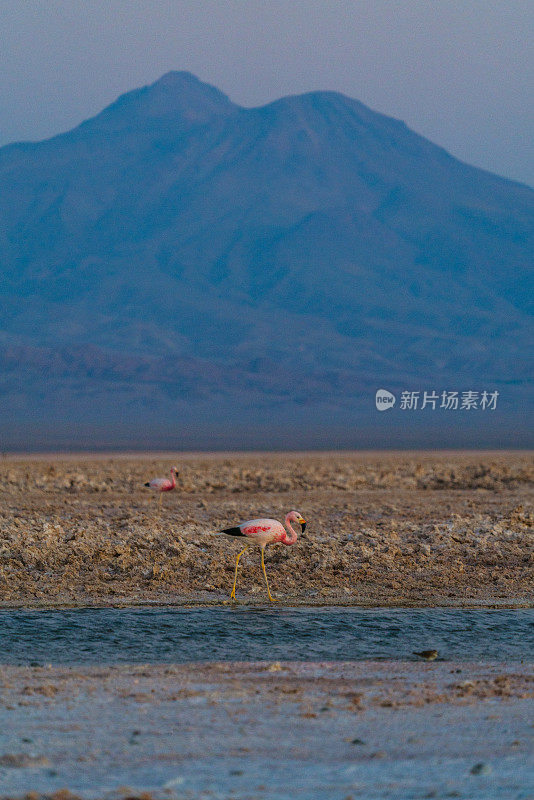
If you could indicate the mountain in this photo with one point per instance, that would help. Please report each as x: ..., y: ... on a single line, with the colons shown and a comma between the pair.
x: 181, y: 270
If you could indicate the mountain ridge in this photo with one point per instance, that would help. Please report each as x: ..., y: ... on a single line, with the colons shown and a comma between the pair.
x: 309, y: 233
x: 174, y: 80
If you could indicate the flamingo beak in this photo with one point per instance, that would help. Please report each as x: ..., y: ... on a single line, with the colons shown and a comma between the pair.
x: 302, y: 522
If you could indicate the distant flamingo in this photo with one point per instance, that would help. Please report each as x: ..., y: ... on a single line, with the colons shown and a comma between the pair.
x: 262, y: 532
x: 163, y: 484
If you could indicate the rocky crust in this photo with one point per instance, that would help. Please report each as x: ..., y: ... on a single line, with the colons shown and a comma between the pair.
x: 383, y: 528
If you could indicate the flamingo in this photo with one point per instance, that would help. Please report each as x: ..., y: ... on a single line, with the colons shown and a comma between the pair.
x: 163, y: 484
x: 262, y: 532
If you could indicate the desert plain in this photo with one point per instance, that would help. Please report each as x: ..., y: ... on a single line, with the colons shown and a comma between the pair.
x: 383, y: 528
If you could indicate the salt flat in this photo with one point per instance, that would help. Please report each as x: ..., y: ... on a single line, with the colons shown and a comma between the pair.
x: 268, y: 730
x: 384, y: 529
x: 450, y: 528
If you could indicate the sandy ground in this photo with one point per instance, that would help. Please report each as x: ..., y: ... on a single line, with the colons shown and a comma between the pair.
x: 268, y: 730
x: 397, y: 528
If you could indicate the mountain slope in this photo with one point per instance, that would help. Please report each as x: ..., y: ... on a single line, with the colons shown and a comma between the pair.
x: 178, y: 254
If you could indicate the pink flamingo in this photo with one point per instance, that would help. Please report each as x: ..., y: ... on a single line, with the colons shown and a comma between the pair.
x: 262, y: 532
x: 163, y: 484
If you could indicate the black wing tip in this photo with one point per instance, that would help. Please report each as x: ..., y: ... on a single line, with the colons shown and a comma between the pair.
x: 233, y: 531
x: 147, y: 484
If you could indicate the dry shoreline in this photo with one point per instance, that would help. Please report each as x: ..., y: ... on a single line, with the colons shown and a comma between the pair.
x: 334, y: 601
x: 425, y: 529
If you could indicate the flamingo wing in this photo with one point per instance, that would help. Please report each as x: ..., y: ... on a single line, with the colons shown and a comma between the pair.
x: 262, y: 530
x: 254, y: 526
x: 159, y: 484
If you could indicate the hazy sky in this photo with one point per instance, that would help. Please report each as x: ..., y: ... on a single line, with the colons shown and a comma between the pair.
x: 458, y: 71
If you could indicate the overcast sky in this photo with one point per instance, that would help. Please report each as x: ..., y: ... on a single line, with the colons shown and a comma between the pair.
x: 458, y: 71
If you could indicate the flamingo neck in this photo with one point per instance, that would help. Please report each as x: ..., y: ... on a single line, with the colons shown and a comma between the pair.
x: 173, y: 475
x: 292, y: 538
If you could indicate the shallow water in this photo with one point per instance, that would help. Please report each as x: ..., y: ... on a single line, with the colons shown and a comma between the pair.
x: 170, y: 634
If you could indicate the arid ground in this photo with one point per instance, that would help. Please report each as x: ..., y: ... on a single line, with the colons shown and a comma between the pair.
x: 383, y: 528
x: 398, y: 528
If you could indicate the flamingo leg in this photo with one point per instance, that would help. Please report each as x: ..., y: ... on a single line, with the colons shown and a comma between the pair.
x: 271, y: 598
x: 160, y: 499
x: 236, y: 566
